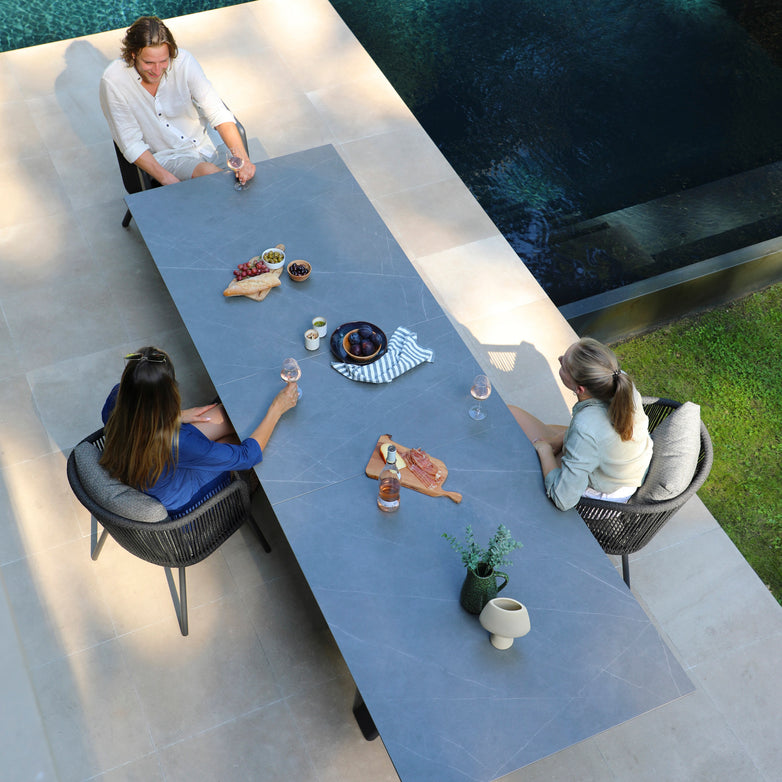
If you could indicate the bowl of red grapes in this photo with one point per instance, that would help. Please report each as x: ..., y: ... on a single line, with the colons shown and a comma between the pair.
x: 298, y: 271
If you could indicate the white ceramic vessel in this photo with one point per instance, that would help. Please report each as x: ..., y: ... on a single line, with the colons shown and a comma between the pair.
x: 321, y: 329
x: 506, y: 619
x: 311, y: 339
x: 272, y: 264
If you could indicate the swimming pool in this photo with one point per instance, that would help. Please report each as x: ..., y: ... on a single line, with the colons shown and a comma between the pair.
x: 557, y: 114
x: 608, y: 140
x: 31, y: 22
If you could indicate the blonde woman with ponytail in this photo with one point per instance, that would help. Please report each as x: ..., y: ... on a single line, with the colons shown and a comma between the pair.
x: 605, y: 450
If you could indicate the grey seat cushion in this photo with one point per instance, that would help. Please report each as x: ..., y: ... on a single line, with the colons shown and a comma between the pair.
x: 677, y: 443
x: 111, y: 494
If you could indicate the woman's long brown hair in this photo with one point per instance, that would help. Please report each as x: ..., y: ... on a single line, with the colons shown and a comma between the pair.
x: 142, y: 432
x: 592, y: 365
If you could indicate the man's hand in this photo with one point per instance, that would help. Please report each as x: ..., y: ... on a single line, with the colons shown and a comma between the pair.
x: 147, y: 162
x: 232, y: 139
x: 246, y: 172
x: 166, y: 178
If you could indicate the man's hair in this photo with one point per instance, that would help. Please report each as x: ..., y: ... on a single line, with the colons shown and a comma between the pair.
x: 147, y: 31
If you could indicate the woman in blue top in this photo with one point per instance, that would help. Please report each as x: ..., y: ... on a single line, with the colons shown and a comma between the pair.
x: 605, y: 450
x: 178, y: 456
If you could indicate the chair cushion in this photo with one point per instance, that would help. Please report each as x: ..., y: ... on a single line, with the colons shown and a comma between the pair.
x: 677, y: 444
x: 111, y: 494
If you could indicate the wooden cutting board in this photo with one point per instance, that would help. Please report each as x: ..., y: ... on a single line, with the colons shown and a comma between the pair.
x: 262, y: 294
x: 407, y: 478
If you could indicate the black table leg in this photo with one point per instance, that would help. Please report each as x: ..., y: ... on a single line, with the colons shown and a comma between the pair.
x: 363, y: 718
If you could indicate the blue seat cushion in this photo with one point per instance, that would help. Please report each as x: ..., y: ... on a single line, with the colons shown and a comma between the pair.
x: 111, y: 494
x: 677, y: 444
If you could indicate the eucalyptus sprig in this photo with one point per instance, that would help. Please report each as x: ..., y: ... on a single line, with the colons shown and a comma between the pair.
x: 493, y: 557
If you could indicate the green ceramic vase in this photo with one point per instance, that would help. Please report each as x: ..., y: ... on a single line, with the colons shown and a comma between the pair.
x: 480, y: 586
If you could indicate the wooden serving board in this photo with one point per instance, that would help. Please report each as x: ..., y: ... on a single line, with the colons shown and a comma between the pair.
x: 277, y: 272
x: 407, y: 478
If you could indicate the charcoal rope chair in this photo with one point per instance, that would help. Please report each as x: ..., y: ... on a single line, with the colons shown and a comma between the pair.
x: 624, y: 528
x: 141, y: 525
x: 136, y: 179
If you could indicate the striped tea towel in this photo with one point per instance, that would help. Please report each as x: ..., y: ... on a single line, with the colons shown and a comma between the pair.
x: 403, y: 353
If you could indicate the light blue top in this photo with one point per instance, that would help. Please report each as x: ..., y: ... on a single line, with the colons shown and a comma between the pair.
x: 595, y: 456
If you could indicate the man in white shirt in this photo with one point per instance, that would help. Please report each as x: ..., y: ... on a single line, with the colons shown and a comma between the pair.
x: 157, y: 102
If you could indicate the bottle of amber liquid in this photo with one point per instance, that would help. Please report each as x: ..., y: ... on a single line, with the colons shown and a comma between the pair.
x: 388, y: 491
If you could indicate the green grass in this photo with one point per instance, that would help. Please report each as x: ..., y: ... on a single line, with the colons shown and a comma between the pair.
x: 728, y: 361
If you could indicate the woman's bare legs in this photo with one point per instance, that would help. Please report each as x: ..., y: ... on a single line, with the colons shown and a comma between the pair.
x: 535, y: 429
x: 213, y: 422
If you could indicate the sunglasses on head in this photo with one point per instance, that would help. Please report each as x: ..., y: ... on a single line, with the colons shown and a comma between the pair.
x: 153, y: 358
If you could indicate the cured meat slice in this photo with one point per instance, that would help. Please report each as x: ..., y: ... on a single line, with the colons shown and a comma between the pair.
x: 419, y: 463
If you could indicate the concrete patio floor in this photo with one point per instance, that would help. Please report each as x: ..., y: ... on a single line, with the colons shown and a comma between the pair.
x: 97, y: 682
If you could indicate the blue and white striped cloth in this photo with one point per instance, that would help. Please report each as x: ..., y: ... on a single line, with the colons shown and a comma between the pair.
x: 403, y: 353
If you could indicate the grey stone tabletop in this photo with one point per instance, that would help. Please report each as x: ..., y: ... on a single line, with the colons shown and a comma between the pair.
x: 447, y: 704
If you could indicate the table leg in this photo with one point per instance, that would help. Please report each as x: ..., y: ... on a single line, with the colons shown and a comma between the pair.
x: 363, y: 718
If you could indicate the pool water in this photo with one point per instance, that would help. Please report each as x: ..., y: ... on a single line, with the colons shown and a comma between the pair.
x: 566, y: 120
x: 31, y: 22
x: 555, y: 113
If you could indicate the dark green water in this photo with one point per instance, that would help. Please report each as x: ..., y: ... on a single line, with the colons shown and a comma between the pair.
x: 553, y: 111
x: 31, y: 22
x: 556, y: 111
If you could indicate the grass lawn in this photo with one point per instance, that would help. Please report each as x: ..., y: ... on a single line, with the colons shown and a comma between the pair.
x: 729, y: 361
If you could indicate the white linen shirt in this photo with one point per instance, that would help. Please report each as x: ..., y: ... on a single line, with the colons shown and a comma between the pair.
x: 168, y: 123
x: 595, y: 456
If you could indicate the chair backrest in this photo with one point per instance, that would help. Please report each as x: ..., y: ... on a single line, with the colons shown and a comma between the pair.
x: 170, y: 542
x: 133, y: 178
x: 675, y: 429
x: 624, y: 528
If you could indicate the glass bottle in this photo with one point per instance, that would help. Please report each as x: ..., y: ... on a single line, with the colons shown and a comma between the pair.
x: 388, y: 490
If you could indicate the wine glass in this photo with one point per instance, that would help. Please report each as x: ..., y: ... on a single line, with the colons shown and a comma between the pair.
x: 235, y: 161
x: 481, y: 388
x: 291, y: 372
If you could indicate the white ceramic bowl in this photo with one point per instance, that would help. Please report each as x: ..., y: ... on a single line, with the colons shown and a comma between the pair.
x: 273, y: 264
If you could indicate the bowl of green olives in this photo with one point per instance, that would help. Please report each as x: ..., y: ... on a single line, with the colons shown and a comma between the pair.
x: 274, y: 257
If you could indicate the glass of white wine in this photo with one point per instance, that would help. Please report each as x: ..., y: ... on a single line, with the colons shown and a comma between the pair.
x: 235, y: 161
x: 481, y: 388
x: 291, y: 372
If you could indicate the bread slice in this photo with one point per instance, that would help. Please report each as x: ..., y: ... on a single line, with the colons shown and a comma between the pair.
x: 254, y: 287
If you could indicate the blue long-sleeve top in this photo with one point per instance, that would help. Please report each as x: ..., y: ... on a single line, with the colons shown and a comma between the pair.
x: 201, y: 464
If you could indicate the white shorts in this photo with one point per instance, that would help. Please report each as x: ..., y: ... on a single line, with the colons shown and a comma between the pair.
x: 622, y: 494
x: 182, y: 164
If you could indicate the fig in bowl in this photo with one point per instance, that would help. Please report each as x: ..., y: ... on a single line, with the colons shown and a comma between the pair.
x: 361, y: 350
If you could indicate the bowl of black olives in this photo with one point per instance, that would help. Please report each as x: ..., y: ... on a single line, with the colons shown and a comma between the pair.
x: 298, y: 271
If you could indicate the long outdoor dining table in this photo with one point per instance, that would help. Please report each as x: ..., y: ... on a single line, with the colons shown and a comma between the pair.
x: 447, y: 704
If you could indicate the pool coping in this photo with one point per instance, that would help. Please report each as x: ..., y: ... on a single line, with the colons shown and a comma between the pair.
x: 648, y: 304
